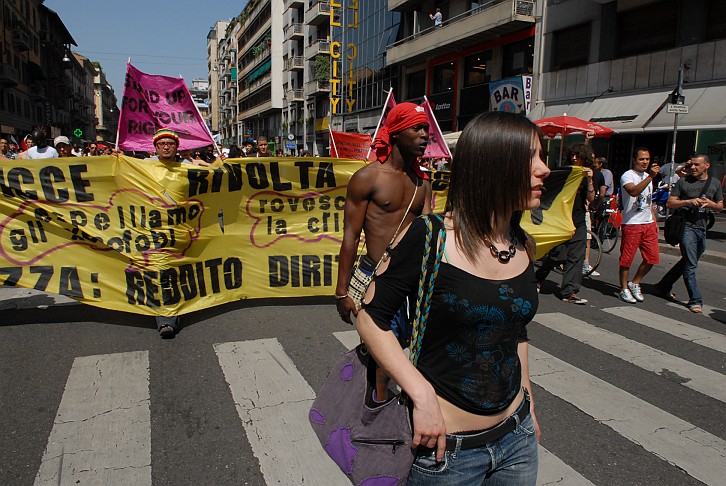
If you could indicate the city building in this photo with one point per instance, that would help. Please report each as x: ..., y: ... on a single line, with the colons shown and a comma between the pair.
x: 106, y: 107
x: 200, y: 94
x: 617, y: 63
x: 42, y: 83
x: 216, y: 34
x: 261, y: 89
x: 227, y: 68
x: 81, y: 102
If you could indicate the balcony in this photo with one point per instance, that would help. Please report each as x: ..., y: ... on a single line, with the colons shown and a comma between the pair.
x: 318, y: 13
x: 317, y: 87
x: 296, y: 63
x: 473, y: 27
x: 295, y: 31
x: 21, y: 39
x: 318, y: 47
x: 294, y: 4
x: 8, y: 76
x: 295, y: 95
x: 403, y: 5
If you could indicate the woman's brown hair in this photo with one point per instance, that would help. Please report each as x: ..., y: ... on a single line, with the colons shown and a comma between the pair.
x: 491, y: 175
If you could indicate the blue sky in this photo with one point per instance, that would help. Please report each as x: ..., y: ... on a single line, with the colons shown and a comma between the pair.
x: 161, y: 36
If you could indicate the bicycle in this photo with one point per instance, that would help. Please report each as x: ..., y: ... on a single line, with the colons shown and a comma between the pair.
x: 608, y: 223
x: 596, y: 251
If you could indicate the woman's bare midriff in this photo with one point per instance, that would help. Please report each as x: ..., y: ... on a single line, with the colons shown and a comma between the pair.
x: 458, y: 420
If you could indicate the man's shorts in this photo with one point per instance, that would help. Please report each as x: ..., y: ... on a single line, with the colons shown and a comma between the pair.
x: 639, y: 236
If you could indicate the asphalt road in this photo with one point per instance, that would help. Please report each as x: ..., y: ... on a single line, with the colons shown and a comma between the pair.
x: 625, y: 394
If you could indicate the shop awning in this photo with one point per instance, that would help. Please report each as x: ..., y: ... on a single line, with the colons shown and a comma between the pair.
x: 647, y: 111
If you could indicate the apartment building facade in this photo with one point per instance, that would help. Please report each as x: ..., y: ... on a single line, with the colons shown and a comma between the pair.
x: 617, y: 63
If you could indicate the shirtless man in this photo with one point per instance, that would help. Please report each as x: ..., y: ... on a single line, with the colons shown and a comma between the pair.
x: 379, y: 194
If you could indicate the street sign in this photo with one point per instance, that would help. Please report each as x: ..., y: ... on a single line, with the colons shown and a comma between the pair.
x: 680, y: 109
x: 290, y: 145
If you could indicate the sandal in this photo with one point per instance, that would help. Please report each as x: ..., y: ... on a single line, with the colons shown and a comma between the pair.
x: 696, y: 308
x: 166, y: 332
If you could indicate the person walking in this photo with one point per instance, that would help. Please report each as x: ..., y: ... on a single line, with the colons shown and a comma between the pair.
x: 166, y: 143
x: 639, y: 227
x: 572, y: 252
x: 698, y: 193
x: 472, y: 403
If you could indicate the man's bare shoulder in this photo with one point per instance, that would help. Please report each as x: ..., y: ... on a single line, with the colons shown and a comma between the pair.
x: 365, y: 178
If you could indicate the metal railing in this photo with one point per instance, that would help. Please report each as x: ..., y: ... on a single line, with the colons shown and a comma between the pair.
x: 519, y: 7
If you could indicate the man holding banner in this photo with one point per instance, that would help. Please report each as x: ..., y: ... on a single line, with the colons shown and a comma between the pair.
x: 166, y: 143
x: 384, y: 196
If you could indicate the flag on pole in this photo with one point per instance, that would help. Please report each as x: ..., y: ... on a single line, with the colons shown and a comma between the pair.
x: 388, y: 106
x: 437, y: 146
x: 151, y: 102
x: 345, y: 145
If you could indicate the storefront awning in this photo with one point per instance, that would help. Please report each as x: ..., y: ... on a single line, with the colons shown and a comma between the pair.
x: 647, y: 111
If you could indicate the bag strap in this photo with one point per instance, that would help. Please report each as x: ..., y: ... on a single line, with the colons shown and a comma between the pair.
x: 385, y: 254
x: 426, y: 285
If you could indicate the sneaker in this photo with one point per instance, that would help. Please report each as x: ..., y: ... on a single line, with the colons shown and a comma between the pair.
x: 574, y: 299
x: 626, y: 296
x: 587, y: 271
x: 635, y: 290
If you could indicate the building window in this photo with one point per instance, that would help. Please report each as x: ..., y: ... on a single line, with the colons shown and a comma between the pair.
x: 716, y: 27
x: 518, y: 58
x: 444, y: 77
x: 648, y: 29
x: 477, y: 69
x: 416, y: 85
x: 570, y: 47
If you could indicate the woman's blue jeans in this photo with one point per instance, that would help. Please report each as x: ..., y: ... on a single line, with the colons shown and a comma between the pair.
x: 508, y: 461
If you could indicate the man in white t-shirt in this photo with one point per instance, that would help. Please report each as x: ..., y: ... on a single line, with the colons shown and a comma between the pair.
x: 639, y: 227
x: 40, y: 148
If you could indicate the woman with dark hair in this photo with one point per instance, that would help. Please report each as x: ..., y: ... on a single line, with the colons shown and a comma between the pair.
x: 473, y: 413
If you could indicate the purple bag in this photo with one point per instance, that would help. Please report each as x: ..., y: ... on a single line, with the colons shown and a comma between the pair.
x: 371, y: 445
x: 371, y: 441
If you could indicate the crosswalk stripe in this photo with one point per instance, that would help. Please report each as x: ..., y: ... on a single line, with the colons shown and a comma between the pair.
x: 273, y: 400
x: 708, y: 382
x: 552, y: 470
x: 670, y: 326
x: 707, y: 309
x: 690, y: 448
x: 102, y: 431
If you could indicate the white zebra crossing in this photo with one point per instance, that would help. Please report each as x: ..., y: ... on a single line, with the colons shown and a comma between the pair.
x: 670, y: 326
x: 708, y: 382
x: 708, y: 310
x: 690, y: 448
x: 273, y: 400
x: 102, y: 432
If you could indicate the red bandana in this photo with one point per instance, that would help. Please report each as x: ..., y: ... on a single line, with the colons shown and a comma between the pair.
x: 402, y: 116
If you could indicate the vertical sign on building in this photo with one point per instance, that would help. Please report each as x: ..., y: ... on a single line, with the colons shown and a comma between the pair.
x: 342, y: 79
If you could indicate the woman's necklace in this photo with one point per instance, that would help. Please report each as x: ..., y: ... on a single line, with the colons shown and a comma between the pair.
x: 504, y: 255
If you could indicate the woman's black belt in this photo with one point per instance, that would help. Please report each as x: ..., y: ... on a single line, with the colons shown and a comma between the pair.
x: 479, y: 439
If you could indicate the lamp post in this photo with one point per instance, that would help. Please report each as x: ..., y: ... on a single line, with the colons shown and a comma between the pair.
x: 677, y: 98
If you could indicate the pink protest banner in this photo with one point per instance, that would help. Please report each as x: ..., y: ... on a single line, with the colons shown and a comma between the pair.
x: 346, y: 145
x: 437, y: 146
x: 151, y: 102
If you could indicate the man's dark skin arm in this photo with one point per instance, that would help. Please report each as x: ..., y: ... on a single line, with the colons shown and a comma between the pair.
x: 356, y: 205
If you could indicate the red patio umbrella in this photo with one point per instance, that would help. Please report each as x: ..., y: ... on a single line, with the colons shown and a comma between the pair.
x: 564, y: 125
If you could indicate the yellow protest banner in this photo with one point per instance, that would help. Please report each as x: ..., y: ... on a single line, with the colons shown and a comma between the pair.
x: 166, y: 239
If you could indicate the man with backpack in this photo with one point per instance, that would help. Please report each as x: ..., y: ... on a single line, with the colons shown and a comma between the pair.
x: 696, y: 193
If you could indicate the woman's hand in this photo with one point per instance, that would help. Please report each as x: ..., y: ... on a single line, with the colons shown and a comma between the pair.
x: 537, y: 431
x: 429, y: 429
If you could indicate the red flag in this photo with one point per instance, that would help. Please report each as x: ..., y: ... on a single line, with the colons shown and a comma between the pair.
x: 437, y: 146
x: 345, y: 145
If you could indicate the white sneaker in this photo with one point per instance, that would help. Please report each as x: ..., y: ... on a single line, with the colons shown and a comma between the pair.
x: 588, y: 271
x: 635, y: 290
x: 626, y: 296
